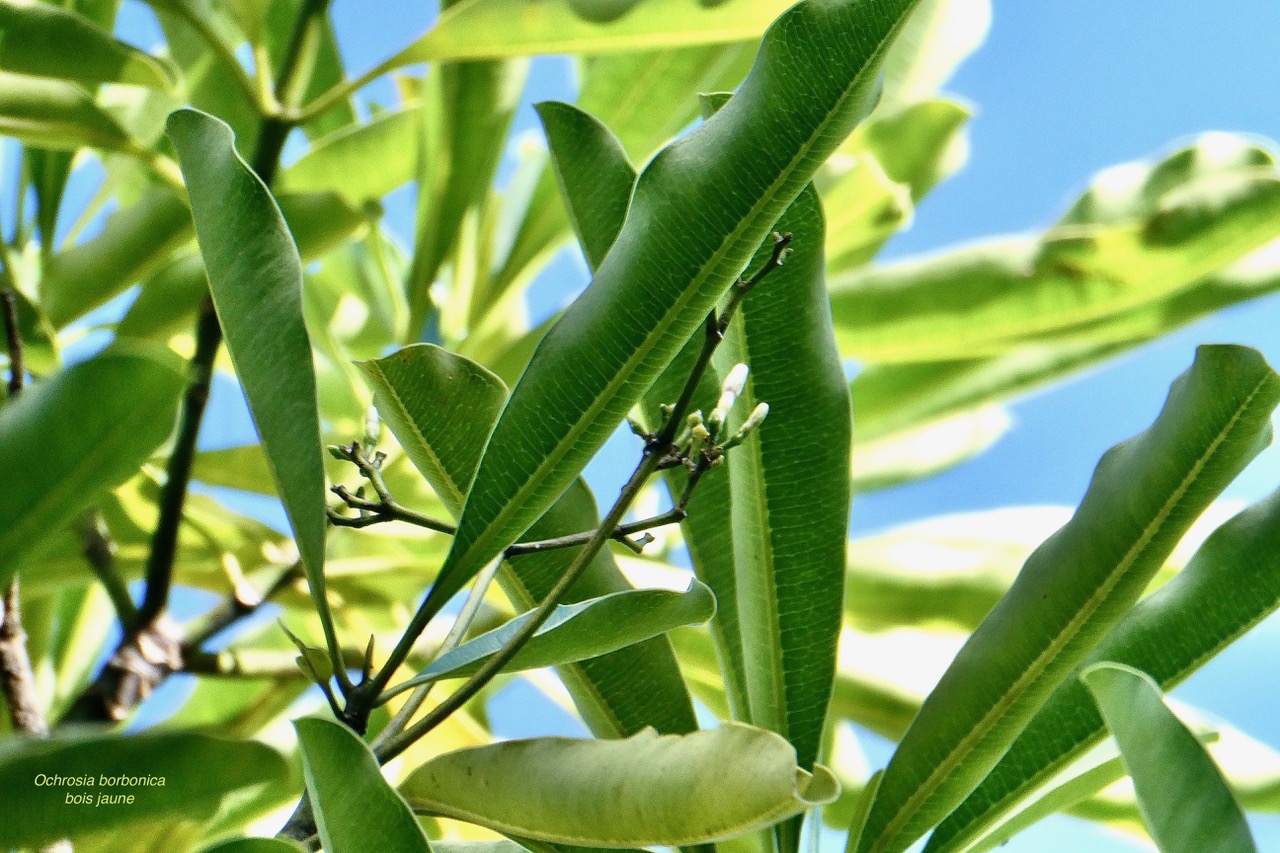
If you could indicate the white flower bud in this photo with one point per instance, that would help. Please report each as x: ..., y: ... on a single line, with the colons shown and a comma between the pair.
x: 372, y: 427
x: 729, y: 391
x: 757, y: 416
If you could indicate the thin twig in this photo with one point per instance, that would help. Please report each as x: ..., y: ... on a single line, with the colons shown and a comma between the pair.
x: 656, y: 453
x: 100, y: 553
x: 466, y: 617
x: 386, y: 508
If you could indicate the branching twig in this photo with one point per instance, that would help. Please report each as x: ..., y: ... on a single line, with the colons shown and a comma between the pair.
x: 661, y: 451
x: 173, y: 495
x: 386, y: 508
x: 656, y: 453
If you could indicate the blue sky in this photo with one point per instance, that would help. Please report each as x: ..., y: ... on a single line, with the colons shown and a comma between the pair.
x: 1062, y: 89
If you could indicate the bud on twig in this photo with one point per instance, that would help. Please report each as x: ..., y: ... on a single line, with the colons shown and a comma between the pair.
x: 729, y: 391
x: 752, y: 423
x: 372, y: 428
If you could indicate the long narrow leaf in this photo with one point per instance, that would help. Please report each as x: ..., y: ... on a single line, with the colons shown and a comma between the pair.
x: 47, y: 41
x: 1140, y: 237
x: 645, y: 98
x: 1075, y: 588
x: 700, y: 211
x: 483, y: 29
x: 361, y: 162
x: 789, y: 513
x: 585, y: 629
x: 1169, y: 635
x: 255, y: 277
x: 55, y: 114
x: 595, y: 176
x: 1185, y: 802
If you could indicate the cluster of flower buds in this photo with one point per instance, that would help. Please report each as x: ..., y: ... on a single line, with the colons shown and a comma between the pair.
x: 706, y: 435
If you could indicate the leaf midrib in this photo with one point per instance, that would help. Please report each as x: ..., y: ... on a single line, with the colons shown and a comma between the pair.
x: 944, y: 768
x: 569, y: 440
x: 977, y: 829
x: 455, y: 492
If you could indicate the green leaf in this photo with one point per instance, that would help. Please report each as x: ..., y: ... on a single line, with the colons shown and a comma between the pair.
x: 252, y: 845
x: 1057, y: 799
x: 361, y: 162
x: 167, y: 300
x: 788, y: 514
x: 927, y: 449
x: 586, y: 629
x: 57, y: 115
x: 676, y: 788
x: 867, y: 208
x: 1169, y: 634
x: 919, y: 145
x: 684, y: 242
x: 320, y: 221
x: 64, y: 453
x: 469, y: 107
x: 646, y: 98
x: 893, y: 398
x: 949, y: 570
x: 500, y: 845
x: 313, y: 662
x: 619, y: 693
x: 486, y: 29
x: 135, y: 240
x: 1075, y: 588
x: 440, y: 406
x: 47, y: 172
x: 255, y: 277
x: 39, y: 342
x: 1143, y: 235
x: 169, y: 296
x: 180, y: 774
x: 1185, y: 802
x: 939, y: 36
x: 43, y: 40
x: 356, y: 810
x: 594, y: 174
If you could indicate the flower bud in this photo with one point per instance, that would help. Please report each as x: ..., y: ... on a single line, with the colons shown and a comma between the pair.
x: 757, y: 416
x: 729, y: 391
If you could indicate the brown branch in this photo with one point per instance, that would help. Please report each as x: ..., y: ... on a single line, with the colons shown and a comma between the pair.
x: 17, y: 681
